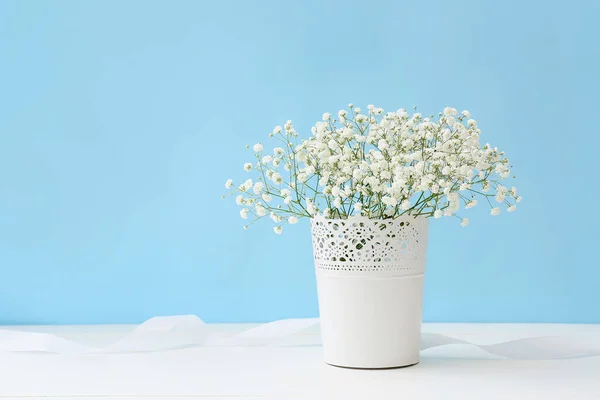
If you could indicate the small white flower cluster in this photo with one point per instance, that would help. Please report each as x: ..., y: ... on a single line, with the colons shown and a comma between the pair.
x: 379, y: 165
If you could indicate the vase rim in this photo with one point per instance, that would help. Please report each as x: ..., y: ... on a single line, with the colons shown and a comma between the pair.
x: 356, y: 218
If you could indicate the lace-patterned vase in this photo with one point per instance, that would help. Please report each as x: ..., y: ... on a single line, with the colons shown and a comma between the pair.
x: 370, y: 287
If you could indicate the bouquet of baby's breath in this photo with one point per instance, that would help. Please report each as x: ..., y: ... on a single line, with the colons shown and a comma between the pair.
x: 376, y: 165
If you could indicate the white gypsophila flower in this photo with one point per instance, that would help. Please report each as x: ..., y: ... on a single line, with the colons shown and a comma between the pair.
x: 326, y: 116
x: 495, y: 211
x: 244, y: 213
x: 258, y: 187
x: 464, y: 222
x: 500, y: 197
x: 229, y: 183
x: 518, y: 199
x: 466, y: 114
x: 257, y: 147
x: 266, y: 197
x: 278, y: 229
x: 292, y: 220
x: 277, y: 129
x: 267, y: 159
x: 342, y: 113
x: 390, y: 201
x: 260, y: 210
x: 277, y: 178
x: 347, y: 133
x: 358, y: 206
x: 405, y: 205
x: 450, y: 112
x: 511, y: 208
x: 248, y: 167
x: 385, y: 175
x: 239, y: 200
x: 337, y: 202
x: 246, y: 185
x: 287, y: 200
x: 437, y: 214
x: 310, y: 207
x: 279, y: 151
x: 285, y: 192
x: 471, y: 204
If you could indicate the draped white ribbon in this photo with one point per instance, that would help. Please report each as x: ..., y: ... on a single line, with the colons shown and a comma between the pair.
x: 167, y: 333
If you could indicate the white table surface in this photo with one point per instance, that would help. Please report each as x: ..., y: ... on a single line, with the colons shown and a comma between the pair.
x: 298, y: 372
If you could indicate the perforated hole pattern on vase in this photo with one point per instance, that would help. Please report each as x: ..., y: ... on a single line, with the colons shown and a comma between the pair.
x: 363, y: 246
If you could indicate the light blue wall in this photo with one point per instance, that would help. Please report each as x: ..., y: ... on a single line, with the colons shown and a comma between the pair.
x: 120, y: 121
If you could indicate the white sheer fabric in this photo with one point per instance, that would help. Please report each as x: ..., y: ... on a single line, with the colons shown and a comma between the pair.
x: 176, y: 332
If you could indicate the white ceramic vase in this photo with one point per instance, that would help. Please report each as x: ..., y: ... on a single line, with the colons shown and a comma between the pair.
x: 370, y: 287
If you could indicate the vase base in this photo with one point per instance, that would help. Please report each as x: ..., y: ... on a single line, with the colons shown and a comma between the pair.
x: 371, y: 368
